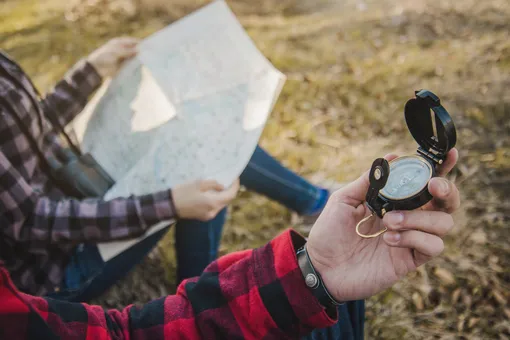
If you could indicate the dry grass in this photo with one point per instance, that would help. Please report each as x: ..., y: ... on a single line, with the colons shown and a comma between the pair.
x: 351, y: 66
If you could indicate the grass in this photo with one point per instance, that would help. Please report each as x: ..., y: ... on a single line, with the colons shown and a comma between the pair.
x: 350, y: 71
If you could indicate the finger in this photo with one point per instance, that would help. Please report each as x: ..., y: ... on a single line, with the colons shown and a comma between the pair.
x: 355, y: 192
x: 209, y: 215
x: 451, y: 159
x: 127, y: 56
x: 228, y: 195
x: 389, y: 157
x: 126, y: 51
x: 425, y: 246
x: 432, y: 222
x: 446, y: 196
x: 237, y: 183
x: 210, y: 184
x: 128, y: 41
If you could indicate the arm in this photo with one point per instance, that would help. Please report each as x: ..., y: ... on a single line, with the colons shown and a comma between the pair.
x: 253, y: 294
x: 37, y: 218
x: 260, y: 293
x: 70, y: 95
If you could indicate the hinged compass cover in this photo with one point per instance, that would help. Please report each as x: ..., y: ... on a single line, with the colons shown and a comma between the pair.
x: 430, y: 124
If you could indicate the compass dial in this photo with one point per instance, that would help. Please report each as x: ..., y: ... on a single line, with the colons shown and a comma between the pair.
x: 408, y: 176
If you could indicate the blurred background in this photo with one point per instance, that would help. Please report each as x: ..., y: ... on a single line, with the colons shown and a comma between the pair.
x: 351, y: 66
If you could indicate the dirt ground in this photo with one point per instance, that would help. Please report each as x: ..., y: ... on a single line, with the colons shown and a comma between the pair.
x: 351, y: 66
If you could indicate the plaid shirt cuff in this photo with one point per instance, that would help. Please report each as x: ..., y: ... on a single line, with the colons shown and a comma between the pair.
x: 157, y: 207
x: 71, y: 94
x: 301, y: 300
x: 263, y: 290
x: 85, y: 78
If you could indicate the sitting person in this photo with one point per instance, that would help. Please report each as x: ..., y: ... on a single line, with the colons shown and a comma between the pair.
x: 263, y: 293
x: 48, y: 241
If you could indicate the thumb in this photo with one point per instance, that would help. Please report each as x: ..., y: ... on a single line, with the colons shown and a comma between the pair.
x: 126, y: 52
x: 355, y: 193
x: 128, y: 41
x: 229, y: 194
x: 210, y: 184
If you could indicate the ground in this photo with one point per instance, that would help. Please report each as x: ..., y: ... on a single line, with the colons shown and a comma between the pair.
x: 351, y: 66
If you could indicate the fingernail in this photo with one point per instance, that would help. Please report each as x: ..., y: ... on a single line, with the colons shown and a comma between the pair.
x: 394, y: 218
x: 444, y: 187
x: 392, y: 237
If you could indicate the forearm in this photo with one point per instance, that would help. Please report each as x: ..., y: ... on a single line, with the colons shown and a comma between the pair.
x: 95, y: 220
x: 252, y: 294
x: 70, y: 95
x: 34, y: 217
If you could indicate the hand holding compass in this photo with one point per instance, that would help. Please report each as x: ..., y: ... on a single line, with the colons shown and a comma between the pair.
x: 402, y: 183
x: 354, y: 268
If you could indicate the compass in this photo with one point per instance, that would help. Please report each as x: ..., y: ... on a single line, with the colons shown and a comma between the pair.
x: 402, y: 184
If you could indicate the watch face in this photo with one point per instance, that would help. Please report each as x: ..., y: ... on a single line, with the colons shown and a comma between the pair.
x: 408, y: 176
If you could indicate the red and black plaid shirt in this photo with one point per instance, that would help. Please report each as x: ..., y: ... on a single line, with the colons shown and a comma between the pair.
x: 254, y: 294
x: 39, y: 226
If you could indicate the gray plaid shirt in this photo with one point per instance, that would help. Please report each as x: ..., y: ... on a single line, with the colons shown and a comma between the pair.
x: 39, y: 226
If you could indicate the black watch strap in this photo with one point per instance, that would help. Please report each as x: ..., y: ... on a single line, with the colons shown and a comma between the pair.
x: 313, y: 280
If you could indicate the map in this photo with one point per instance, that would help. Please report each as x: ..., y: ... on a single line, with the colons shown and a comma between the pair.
x: 192, y: 105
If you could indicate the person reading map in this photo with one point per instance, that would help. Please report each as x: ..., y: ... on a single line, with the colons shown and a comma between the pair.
x: 49, y: 242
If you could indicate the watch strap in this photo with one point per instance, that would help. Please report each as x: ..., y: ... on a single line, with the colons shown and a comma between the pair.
x: 313, y: 280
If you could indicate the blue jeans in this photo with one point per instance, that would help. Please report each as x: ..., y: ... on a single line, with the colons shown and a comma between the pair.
x: 196, y: 242
x: 350, y: 325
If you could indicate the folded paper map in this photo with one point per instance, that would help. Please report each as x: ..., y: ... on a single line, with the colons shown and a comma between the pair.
x: 191, y: 105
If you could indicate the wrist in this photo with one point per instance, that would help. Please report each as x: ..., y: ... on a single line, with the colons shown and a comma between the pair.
x: 314, y: 280
x: 171, y: 201
x: 96, y: 65
x: 322, y: 269
x: 93, y: 68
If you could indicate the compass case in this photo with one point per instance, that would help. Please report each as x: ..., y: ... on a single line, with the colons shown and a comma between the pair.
x: 430, y: 125
x: 433, y: 129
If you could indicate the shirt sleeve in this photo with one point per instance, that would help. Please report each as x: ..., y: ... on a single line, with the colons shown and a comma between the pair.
x: 70, y: 95
x: 254, y: 294
x: 36, y: 218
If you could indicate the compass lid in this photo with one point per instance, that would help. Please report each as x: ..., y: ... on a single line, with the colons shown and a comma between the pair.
x: 430, y: 124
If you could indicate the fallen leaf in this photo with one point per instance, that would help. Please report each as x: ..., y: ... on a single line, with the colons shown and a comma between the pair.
x: 489, y: 157
x: 425, y: 288
x: 496, y: 267
x: 460, y: 323
x: 488, y: 310
x: 467, y: 300
x: 456, y: 295
x: 472, y: 322
x: 444, y: 276
x: 499, y: 297
x: 464, y: 264
x: 478, y: 237
x: 418, y: 301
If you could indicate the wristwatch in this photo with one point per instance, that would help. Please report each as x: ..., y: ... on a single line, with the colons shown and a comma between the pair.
x: 313, y: 280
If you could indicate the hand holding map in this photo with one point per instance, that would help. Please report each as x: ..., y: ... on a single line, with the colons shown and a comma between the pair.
x: 192, y: 105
